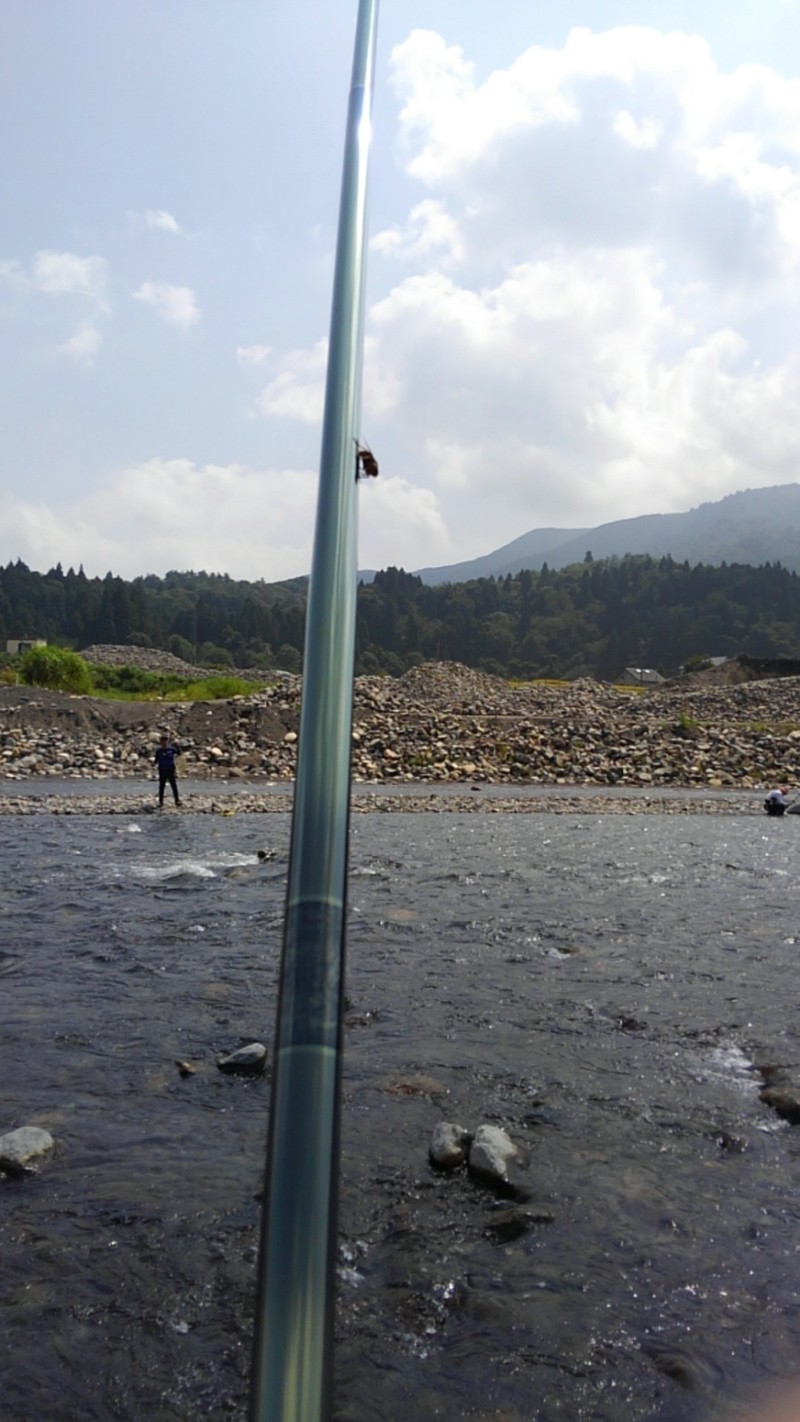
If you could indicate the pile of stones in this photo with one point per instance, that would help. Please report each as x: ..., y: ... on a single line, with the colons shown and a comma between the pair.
x: 438, y: 723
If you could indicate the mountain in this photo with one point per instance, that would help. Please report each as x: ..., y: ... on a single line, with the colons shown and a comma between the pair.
x: 755, y: 526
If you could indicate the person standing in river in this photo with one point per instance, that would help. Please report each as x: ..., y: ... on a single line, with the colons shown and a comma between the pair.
x: 165, y: 761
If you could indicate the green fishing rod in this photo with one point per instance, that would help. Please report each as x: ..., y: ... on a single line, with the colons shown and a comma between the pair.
x: 293, y: 1344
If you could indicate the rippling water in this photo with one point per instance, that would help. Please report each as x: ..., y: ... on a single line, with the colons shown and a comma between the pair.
x: 599, y: 986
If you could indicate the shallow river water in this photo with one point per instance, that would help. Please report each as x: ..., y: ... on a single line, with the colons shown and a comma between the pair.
x: 601, y: 986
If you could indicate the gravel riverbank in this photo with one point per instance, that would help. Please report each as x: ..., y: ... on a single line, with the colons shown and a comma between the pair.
x: 439, y: 725
x: 248, y: 803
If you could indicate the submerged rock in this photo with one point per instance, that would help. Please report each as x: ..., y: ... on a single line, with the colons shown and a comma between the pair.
x: 418, y: 1085
x: 247, y: 1061
x: 511, y: 1224
x: 449, y: 1145
x: 20, y: 1150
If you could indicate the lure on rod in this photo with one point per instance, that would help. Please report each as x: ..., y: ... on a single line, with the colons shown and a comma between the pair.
x: 293, y: 1343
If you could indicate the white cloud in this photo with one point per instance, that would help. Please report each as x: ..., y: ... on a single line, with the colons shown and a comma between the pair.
x: 642, y: 133
x: 572, y: 393
x: 162, y: 222
x: 60, y: 274
x: 174, y: 514
x: 429, y: 235
x: 175, y: 304
x: 157, y: 220
x: 298, y: 391
x: 609, y: 327
x: 252, y: 355
x: 595, y: 316
x: 599, y: 312
x: 459, y: 121
x: 401, y: 525
x: 629, y: 135
x: 84, y: 343
x: 66, y: 274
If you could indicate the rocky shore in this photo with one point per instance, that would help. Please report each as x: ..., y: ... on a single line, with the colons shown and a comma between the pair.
x: 439, y: 725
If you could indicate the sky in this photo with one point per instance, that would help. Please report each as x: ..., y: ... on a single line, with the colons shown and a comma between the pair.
x: 583, y: 292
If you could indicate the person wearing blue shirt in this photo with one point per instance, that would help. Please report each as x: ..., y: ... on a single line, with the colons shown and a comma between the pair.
x: 165, y: 760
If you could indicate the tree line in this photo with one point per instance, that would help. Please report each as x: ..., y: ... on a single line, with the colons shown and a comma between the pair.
x: 592, y: 619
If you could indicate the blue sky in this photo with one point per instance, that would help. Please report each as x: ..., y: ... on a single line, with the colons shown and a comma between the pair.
x: 583, y: 286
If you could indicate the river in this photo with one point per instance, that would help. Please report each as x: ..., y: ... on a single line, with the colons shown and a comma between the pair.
x: 602, y: 986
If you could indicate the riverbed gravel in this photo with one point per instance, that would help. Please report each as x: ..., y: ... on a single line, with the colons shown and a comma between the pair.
x: 440, y: 724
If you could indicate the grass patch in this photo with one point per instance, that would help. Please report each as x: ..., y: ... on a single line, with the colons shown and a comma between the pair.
x: 537, y: 681
x: 135, y: 684
x: 686, y: 727
x: 132, y: 683
x: 214, y: 688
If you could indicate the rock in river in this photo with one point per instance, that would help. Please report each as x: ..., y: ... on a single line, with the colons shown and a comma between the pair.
x: 20, y: 1150
x: 491, y: 1153
x: 782, y: 1091
x: 507, y: 1225
x: 247, y: 1061
x: 449, y: 1145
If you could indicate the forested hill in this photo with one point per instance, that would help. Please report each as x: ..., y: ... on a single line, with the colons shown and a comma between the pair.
x: 591, y: 619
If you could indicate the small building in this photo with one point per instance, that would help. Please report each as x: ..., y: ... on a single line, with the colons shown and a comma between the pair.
x: 15, y: 646
x: 641, y: 676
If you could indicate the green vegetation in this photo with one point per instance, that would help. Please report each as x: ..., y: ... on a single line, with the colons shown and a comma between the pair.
x: 686, y: 727
x: 132, y: 683
x: 59, y: 669
x: 56, y: 668
x: 593, y: 619
x: 214, y: 688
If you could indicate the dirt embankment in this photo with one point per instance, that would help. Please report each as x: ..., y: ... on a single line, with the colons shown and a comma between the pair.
x: 440, y: 722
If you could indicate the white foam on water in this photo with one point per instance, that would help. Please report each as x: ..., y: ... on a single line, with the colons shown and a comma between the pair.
x: 732, y: 1064
x: 231, y: 860
x: 158, y: 873
x: 207, y: 868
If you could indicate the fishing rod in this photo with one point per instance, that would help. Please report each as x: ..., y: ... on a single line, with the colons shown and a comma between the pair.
x: 293, y: 1342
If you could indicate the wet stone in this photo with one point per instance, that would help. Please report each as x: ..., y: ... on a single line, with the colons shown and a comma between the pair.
x: 21, y: 1150
x: 785, y: 1100
x: 507, y: 1225
x: 418, y: 1085
x: 449, y: 1145
x: 246, y: 1061
x: 782, y: 1092
x: 491, y: 1153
